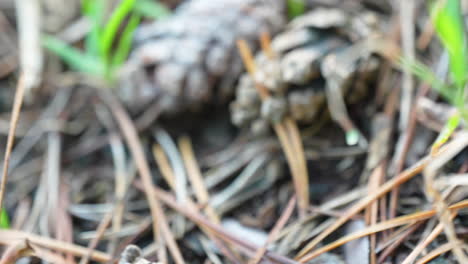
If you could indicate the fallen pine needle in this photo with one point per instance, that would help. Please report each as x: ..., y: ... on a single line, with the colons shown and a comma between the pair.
x: 275, y: 230
x: 190, y: 211
x: 19, y: 96
x: 286, y: 130
x: 364, y: 202
x: 131, y: 137
x: 438, y: 251
x: 395, y: 222
x: 421, y: 246
x: 9, y: 237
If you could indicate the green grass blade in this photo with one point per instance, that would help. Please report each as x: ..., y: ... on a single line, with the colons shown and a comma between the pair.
x: 110, y: 30
x: 448, y: 22
x: 4, y: 222
x: 296, y: 8
x: 94, y: 11
x: 125, y: 41
x: 86, y: 6
x: 426, y: 75
x: 73, y: 57
x: 151, y: 9
x: 446, y: 132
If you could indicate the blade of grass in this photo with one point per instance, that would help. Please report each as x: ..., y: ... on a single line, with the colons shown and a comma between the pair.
x: 125, y: 41
x: 448, y: 22
x: 109, y: 31
x: 151, y: 9
x: 425, y: 74
x: 296, y: 8
x: 446, y: 132
x: 73, y: 57
x: 94, y: 10
x: 4, y: 221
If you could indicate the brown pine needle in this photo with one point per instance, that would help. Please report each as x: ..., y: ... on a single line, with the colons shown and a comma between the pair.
x: 203, y: 196
x: 249, y: 63
x: 10, y: 237
x: 196, y: 179
x: 438, y: 251
x: 190, y: 211
x: 364, y: 202
x: 287, y: 130
x: 430, y: 172
x: 297, y: 154
x: 15, y: 251
x: 200, y: 192
x: 388, y: 186
x: 19, y: 96
x: 275, y: 230
x: 395, y: 222
x: 300, y: 183
x: 100, y: 232
x: 402, y: 238
x: 291, y: 128
x: 375, y: 180
x: 298, y: 149
x: 163, y: 165
x: 421, y: 246
x: 265, y: 43
x: 131, y: 137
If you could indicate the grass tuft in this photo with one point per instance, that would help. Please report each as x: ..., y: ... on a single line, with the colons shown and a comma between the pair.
x: 108, y: 43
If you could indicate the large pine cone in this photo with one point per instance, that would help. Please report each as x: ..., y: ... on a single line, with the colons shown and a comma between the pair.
x: 191, y: 57
x: 326, y: 47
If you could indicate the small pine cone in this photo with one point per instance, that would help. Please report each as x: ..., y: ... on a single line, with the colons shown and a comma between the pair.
x: 321, y: 47
x: 133, y: 255
x: 192, y: 56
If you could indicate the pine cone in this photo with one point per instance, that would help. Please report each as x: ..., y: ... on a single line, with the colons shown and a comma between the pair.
x: 326, y: 46
x: 133, y: 255
x: 191, y: 57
